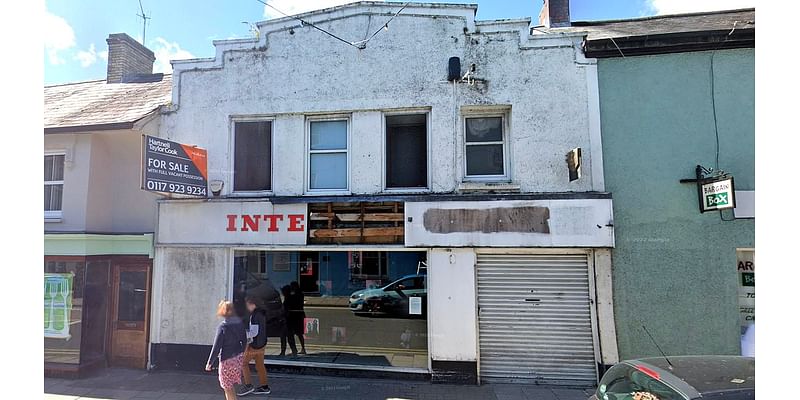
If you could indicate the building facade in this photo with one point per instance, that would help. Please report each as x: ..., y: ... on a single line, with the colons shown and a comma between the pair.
x: 425, y: 208
x: 99, y: 224
x: 677, y: 92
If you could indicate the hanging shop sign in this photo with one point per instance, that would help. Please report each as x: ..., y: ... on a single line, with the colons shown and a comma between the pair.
x: 172, y: 168
x: 716, y: 194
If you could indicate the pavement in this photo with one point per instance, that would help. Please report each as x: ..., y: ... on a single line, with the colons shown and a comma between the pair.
x: 128, y: 384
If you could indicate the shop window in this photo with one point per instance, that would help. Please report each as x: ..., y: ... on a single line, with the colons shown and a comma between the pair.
x: 406, y: 151
x: 485, y: 147
x: 368, y: 265
x: 328, y: 155
x: 53, y: 184
x: 63, y: 308
x: 252, y: 161
x: 341, y: 318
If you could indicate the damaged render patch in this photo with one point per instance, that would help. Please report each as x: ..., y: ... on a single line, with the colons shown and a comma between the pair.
x: 490, y: 220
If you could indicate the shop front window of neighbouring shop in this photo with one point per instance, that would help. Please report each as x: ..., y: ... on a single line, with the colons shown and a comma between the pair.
x: 344, y: 307
x: 63, y: 306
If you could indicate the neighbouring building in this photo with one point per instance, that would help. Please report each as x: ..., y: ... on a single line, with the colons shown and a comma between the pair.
x: 677, y: 91
x: 99, y: 224
x: 414, y: 182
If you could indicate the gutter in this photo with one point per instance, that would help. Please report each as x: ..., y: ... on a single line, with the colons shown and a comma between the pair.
x: 680, y: 42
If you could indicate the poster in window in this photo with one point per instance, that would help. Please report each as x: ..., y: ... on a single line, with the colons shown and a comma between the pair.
x: 307, y: 268
x: 57, y: 305
x: 338, y: 335
x: 281, y: 262
x: 311, y: 327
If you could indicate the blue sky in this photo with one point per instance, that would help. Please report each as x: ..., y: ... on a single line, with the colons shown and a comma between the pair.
x: 75, y: 30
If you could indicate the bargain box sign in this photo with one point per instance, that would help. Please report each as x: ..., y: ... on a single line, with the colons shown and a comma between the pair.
x: 231, y: 223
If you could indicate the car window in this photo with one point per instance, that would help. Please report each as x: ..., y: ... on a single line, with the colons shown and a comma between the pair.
x: 412, y: 283
x: 624, y: 382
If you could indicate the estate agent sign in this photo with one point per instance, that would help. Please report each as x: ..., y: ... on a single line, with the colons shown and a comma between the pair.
x: 174, y: 168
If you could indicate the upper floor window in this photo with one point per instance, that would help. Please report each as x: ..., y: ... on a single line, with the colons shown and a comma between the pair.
x: 485, y: 147
x: 252, y: 156
x: 406, y: 151
x: 327, y: 158
x: 53, y: 184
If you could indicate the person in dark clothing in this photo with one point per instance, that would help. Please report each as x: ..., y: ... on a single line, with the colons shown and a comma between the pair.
x: 287, y: 334
x: 257, y: 337
x: 296, y: 315
x: 228, y: 349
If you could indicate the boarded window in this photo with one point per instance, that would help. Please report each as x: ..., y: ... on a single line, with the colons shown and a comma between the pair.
x: 406, y: 151
x: 252, y: 170
x: 485, y: 147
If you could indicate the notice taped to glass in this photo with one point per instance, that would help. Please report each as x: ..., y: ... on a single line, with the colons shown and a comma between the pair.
x: 174, y: 168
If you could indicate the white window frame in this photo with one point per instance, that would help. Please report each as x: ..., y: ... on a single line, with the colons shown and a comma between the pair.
x: 505, y: 176
x: 308, y: 151
x: 56, y: 215
x: 232, y: 151
x: 385, y: 147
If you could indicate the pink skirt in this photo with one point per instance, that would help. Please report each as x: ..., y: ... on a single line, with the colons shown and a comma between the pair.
x: 230, y: 372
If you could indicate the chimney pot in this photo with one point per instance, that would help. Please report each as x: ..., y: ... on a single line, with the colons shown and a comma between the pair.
x: 127, y: 57
x: 554, y: 14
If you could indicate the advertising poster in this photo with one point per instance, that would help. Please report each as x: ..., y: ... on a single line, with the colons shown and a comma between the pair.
x: 746, y: 271
x: 57, y: 305
x: 174, y: 168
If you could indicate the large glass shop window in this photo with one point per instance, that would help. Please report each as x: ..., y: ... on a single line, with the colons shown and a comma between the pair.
x: 63, y: 306
x: 349, y: 307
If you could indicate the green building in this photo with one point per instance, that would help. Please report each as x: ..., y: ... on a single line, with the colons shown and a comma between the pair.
x: 676, y: 92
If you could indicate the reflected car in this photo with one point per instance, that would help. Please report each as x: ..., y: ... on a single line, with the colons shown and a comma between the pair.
x: 680, y: 378
x: 392, y: 300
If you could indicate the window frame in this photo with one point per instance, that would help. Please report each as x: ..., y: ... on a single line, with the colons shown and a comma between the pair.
x: 385, y: 148
x: 308, y: 152
x: 503, y: 115
x: 232, y: 162
x: 56, y: 215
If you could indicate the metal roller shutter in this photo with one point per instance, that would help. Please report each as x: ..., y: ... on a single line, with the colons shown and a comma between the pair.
x: 535, y: 320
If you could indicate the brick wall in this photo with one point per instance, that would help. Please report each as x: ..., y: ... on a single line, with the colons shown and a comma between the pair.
x: 127, y: 56
x: 555, y: 13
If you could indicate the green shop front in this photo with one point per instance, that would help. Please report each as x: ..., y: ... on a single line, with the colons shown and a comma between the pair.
x: 96, y: 299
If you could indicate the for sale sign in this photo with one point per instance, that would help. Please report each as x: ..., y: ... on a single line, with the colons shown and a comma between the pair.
x: 171, y: 167
x: 716, y: 195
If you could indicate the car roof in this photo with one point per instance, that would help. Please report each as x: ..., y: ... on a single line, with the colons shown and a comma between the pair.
x: 709, y: 374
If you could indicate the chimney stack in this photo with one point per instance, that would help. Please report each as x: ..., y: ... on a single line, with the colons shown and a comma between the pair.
x: 127, y: 57
x: 555, y: 14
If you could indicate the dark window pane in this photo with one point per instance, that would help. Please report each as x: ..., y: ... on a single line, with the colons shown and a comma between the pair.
x: 328, y: 171
x: 485, y: 159
x: 54, y: 168
x: 253, y: 156
x: 329, y: 135
x: 484, y: 129
x: 48, y: 168
x: 406, y: 151
x: 132, y: 296
x: 52, y: 197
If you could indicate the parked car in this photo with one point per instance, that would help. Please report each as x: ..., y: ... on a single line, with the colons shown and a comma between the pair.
x: 687, y: 378
x: 392, y: 300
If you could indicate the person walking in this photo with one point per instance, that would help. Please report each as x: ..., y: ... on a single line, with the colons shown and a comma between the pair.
x: 257, y: 338
x: 296, y: 314
x: 286, y: 333
x: 228, y: 349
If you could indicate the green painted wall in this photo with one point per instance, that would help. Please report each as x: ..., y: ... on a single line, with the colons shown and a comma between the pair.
x: 674, y: 270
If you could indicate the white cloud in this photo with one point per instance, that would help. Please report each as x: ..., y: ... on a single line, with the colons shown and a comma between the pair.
x: 292, y: 7
x: 166, y: 51
x: 686, y: 6
x: 58, y: 37
x: 89, y: 57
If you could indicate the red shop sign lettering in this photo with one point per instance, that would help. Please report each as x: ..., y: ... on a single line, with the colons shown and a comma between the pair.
x: 253, y: 222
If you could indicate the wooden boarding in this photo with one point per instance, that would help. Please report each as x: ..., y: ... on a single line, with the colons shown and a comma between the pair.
x: 357, y: 222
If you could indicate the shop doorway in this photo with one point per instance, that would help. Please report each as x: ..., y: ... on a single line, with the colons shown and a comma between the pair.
x: 130, y: 315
